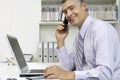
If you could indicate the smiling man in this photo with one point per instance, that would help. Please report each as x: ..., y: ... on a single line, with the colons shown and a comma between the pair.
x: 96, y: 47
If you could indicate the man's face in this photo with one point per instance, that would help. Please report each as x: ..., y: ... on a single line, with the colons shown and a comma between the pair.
x: 74, y: 12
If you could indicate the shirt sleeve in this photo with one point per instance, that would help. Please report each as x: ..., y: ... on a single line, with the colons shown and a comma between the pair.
x: 66, y: 60
x: 98, y: 73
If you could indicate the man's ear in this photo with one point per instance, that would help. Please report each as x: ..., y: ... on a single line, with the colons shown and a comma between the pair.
x: 84, y: 5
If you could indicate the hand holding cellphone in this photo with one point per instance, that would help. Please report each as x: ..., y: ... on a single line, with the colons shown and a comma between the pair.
x: 65, y: 24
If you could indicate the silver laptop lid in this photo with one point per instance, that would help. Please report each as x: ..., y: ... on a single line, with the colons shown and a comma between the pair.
x: 17, y: 52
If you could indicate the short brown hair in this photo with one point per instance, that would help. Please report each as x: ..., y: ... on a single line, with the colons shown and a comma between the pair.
x: 63, y: 1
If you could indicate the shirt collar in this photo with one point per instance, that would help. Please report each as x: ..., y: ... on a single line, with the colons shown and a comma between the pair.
x: 84, y: 27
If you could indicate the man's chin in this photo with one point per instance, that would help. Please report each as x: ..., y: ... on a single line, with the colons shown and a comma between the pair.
x: 73, y: 24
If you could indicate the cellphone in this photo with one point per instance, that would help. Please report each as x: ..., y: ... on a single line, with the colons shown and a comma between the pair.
x: 65, y: 24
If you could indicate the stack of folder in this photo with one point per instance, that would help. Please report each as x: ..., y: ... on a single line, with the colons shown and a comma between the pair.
x: 47, y: 52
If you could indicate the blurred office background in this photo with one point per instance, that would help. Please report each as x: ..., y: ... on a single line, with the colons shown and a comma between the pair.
x: 21, y: 18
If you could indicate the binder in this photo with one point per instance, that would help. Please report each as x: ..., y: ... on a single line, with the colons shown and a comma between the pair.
x: 48, y: 15
x: 40, y: 52
x: 55, y: 57
x: 50, y: 57
x: 45, y: 52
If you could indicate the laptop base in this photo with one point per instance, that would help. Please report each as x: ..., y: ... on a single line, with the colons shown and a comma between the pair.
x: 31, y: 75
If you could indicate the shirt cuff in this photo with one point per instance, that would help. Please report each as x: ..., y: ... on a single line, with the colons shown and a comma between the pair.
x: 61, y: 50
x: 80, y: 75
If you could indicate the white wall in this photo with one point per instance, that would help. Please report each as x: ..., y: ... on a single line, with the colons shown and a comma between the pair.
x: 4, y: 27
x: 19, y: 18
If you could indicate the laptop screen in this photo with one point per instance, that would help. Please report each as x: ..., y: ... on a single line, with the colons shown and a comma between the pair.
x: 17, y: 51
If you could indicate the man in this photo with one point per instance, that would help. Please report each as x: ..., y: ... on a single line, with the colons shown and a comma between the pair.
x: 96, y: 48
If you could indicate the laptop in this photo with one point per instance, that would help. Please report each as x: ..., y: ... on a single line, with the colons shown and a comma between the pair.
x: 22, y: 64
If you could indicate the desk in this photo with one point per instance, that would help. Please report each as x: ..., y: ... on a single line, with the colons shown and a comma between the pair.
x: 12, y: 71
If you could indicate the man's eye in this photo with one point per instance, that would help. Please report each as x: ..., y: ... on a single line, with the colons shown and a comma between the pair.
x: 65, y: 12
x: 71, y: 8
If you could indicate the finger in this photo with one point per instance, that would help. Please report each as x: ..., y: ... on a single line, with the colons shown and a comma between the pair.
x: 48, y: 69
x: 51, y: 77
x: 61, y: 24
x: 49, y: 72
x: 53, y: 70
x: 60, y: 28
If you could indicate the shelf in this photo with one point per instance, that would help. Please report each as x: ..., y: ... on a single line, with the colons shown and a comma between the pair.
x: 51, y: 2
x: 112, y: 22
x: 49, y: 23
x: 57, y: 23
x: 88, y: 1
x: 100, y: 2
x: 58, y: 2
x: 94, y: 6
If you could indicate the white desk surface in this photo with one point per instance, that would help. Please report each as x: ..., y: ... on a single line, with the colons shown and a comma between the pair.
x: 12, y: 71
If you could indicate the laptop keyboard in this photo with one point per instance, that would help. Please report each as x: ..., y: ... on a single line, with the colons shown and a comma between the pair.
x: 37, y: 71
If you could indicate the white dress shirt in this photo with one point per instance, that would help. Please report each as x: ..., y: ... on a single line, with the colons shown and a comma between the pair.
x: 101, y: 52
